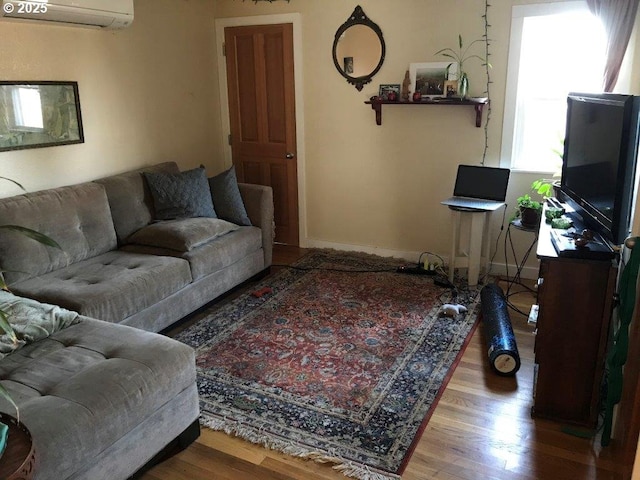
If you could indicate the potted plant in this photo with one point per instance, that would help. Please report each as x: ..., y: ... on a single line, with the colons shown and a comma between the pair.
x: 551, y: 187
x: 528, y: 211
x: 460, y: 56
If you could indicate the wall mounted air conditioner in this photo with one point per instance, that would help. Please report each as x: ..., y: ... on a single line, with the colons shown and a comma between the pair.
x: 110, y: 14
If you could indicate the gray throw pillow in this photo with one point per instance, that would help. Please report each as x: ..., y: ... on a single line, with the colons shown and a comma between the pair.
x: 180, y: 195
x: 182, y: 235
x: 227, y: 199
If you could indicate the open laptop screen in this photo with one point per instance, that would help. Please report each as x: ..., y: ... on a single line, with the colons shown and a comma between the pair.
x: 488, y: 183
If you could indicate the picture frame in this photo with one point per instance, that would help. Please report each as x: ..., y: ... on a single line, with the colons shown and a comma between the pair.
x: 450, y: 88
x: 385, y: 88
x: 348, y: 65
x: 428, y: 78
x: 39, y: 114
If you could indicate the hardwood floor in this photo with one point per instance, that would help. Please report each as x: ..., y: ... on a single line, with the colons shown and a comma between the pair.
x: 481, y: 429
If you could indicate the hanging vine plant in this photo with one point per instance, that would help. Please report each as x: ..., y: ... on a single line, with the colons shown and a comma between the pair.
x: 487, y: 65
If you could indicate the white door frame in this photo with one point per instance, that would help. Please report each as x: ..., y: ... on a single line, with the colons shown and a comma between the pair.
x: 296, y: 20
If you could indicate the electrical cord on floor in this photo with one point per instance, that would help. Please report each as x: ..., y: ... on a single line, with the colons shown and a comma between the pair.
x: 433, y: 255
x: 440, y: 279
x: 495, y: 250
x: 330, y: 269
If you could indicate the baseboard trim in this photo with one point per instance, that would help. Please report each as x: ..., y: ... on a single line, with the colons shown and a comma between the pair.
x: 496, y: 269
x: 383, y: 252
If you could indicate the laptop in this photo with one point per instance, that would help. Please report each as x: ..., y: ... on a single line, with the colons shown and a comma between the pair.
x: 479, y: 188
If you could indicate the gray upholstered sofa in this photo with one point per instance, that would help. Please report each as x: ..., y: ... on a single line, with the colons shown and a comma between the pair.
x: 99, y: 397
x: 103, y: 272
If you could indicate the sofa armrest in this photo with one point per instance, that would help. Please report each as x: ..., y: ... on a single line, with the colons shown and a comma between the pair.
x: 258, y: 200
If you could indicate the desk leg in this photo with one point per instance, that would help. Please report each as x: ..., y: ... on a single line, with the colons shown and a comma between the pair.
x: 475, y: 247
x: 487, y: 243
x: 454, y: 242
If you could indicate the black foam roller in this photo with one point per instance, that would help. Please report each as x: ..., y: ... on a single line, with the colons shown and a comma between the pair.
x: 502, y: 347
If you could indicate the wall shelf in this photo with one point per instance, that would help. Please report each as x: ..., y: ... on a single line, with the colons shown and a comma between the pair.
x: 477, y: 103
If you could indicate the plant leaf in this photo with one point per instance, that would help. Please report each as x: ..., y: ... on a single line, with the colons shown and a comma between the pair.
x: 45, y: 240
x: 6, y: 326
x: 449, y: 56
x: 14, y: 182
x: 460, y: 41
x: 4, y: 393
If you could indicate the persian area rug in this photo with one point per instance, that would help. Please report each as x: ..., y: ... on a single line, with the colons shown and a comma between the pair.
x: 343, y: 362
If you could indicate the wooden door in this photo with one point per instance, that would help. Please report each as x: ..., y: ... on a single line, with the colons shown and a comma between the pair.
x: 260, y: 80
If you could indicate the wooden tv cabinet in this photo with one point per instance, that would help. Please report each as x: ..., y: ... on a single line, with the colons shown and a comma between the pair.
x: 575, y: 300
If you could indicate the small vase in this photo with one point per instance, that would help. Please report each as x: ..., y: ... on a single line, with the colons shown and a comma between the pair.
x: 463, y: 85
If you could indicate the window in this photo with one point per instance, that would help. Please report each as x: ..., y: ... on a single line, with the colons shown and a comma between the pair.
x: 27, y: 111
x: 555, y: 48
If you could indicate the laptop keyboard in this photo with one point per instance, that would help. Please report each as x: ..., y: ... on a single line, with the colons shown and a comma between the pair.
x: 475, y: 202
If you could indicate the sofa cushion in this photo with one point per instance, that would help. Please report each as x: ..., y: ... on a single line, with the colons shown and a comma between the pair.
x: 180, y: 195
x: 87, y: 386
x: 31, y: 321
x: 110, y: 287
x: 212, y: 256
x: 227, y: 199
x: 223, y: 251
x: 182, y: 235
x: 130, y: 199
x: 77, y: 217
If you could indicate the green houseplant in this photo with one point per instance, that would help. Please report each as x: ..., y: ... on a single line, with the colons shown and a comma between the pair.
x: 550, y: 187
x: 529, y: 211
x: 460, y: 56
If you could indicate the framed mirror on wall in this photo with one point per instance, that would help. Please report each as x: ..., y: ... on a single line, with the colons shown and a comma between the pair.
x: 358, y: 49
x: 39, y: 114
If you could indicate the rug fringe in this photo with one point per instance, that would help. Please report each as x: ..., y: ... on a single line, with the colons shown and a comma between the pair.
x: 347, y: 467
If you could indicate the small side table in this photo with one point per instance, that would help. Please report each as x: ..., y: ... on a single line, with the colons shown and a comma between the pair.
x: 19, y: 459
x: 478, y: 243
x: 517, y: 278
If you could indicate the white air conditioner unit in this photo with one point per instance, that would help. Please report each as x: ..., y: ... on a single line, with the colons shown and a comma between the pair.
x: 110, y: 14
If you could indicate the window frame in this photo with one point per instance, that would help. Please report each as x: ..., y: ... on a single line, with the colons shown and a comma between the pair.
x: 518, y: 14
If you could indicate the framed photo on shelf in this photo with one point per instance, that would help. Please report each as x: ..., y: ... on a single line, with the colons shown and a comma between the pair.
x: 386, y: 88
x: 429, y: 78
x: 450, y: 88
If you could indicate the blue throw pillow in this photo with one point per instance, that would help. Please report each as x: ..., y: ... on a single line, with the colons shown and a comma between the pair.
x: 180, y: 195
x: 227, y: 199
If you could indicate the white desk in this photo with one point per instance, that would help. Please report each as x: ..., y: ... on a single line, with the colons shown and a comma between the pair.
x: 478, y: 245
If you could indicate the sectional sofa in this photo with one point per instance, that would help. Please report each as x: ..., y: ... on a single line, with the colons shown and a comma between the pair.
x: 101, y: 394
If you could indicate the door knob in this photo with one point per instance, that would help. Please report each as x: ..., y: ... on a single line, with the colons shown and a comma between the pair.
x: 289, y: 155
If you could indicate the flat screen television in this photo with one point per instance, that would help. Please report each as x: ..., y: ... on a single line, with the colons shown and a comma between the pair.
x: 599, y: 162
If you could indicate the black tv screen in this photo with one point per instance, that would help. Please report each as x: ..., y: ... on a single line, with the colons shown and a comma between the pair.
x: 600, y: 151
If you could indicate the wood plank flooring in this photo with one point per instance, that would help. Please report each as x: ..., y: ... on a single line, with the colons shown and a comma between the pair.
x: 481, y: 429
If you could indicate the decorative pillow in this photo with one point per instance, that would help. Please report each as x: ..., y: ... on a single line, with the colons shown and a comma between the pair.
x: 227, y: 199
x: 181, y: 235
x: 31, y: 321
x: 180, y: 195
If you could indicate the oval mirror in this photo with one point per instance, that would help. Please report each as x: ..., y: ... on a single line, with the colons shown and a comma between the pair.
x: 358, y: 49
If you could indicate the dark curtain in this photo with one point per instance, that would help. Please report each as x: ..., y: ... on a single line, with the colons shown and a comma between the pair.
x: 618, y: 17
